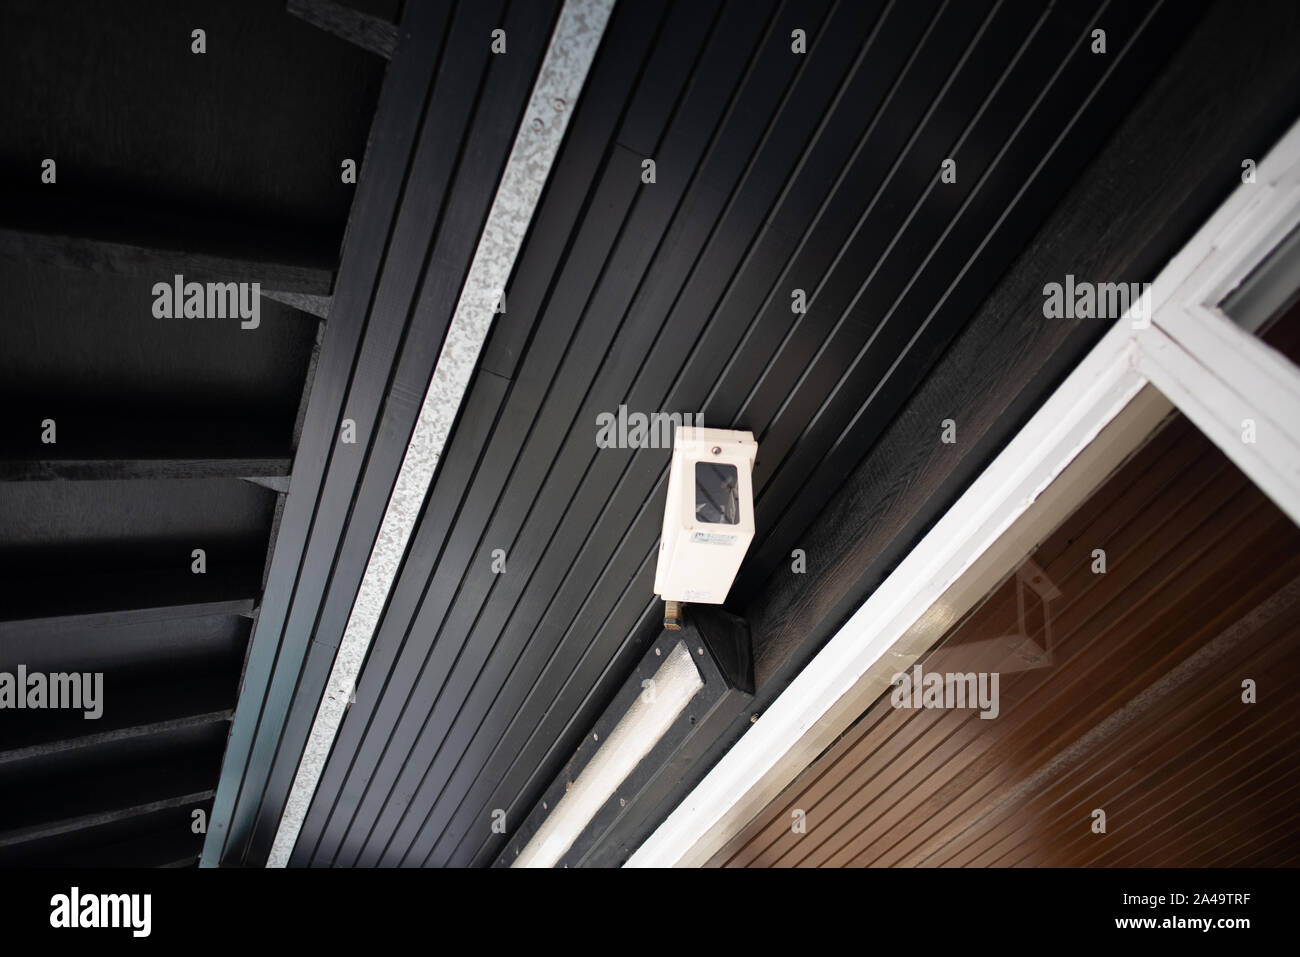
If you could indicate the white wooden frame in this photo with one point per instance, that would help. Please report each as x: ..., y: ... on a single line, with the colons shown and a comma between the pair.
x: 1188, y: 353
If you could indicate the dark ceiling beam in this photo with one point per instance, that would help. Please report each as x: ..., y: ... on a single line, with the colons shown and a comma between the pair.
x: 37, y: 832
x: 109, y: 445
x: 271, y: 472
x: 55, y: 625
x: 173, y: 770
x: 39, y: 600
x: 138, y: 258
x: 13, y: 754
x: 366, y: 31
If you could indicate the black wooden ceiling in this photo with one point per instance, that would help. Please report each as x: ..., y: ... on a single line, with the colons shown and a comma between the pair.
x: 171, y: 435
x: 442, y: 132
x: 774, y: 171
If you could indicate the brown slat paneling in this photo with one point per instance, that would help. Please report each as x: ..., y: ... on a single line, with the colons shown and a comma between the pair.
x: 1134, y: 706
x: 1127, y: 758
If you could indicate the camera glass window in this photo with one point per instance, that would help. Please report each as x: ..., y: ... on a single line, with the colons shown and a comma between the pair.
x: 717, y: 493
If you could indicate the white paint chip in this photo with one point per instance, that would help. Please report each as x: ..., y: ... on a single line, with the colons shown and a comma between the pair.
x: 564, y: 71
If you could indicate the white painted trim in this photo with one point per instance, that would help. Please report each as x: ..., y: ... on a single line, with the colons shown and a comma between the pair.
x: 1214, y: 371
x: 563, y: 72
x: 1220, y: 404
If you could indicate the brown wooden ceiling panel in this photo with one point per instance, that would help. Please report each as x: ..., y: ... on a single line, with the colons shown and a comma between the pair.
x: 1120, y: 691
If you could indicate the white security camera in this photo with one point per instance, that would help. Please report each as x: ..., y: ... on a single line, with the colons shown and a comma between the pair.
x: 709, y: 515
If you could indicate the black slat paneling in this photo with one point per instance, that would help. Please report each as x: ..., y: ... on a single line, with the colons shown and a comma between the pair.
x: 775, y: 171
x: 497, y: 97
x: 261, y: 714
x: 395, y: 298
